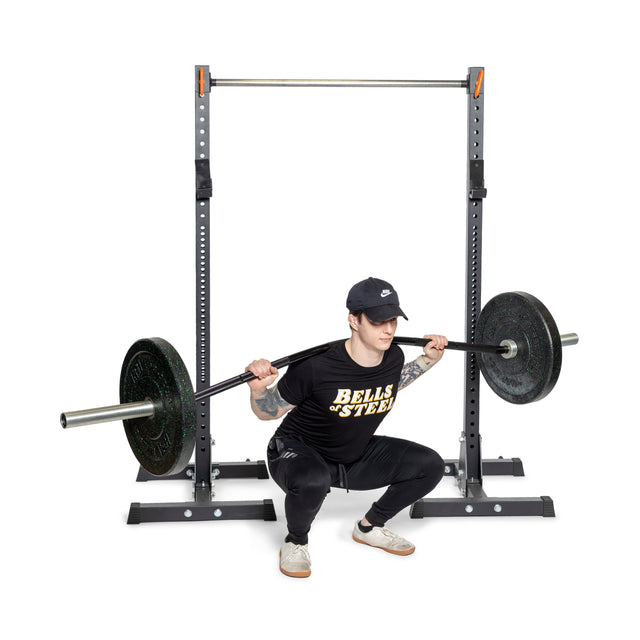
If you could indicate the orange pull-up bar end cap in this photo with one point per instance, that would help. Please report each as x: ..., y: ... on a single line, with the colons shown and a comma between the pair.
x: 479, y: 83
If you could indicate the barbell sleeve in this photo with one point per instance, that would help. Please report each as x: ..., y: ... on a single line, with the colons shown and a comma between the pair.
x: 569, y: 339
x: 127, y: 411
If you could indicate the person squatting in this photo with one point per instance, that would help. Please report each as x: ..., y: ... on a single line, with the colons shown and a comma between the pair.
x: 332, y: 405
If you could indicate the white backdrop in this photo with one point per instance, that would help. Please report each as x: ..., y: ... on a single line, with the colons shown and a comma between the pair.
x: 314, y: 189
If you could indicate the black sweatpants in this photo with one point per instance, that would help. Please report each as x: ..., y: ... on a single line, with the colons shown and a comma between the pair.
x: 409, y: 470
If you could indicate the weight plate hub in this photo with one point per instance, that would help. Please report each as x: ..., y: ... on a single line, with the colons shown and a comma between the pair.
x: 534, y: 371
x: 153, y: 370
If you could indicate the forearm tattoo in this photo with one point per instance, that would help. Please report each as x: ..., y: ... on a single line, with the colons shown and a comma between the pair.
x: 410, y: 372
x: 271, y: 403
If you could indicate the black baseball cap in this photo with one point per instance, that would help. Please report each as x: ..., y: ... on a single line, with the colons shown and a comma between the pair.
x: 376, y: 298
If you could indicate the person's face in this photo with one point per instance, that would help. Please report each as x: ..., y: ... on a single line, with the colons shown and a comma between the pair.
x: 375, y: 335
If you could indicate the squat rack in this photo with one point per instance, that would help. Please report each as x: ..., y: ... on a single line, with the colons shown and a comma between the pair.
x: 469, y: 468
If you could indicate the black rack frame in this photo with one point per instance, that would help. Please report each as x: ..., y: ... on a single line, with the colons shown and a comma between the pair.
x: 469, y: 468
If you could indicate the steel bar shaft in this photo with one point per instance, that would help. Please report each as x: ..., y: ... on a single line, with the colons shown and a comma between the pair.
x: 455, y: 346
x: 225, y: 385
x: 247, y: 376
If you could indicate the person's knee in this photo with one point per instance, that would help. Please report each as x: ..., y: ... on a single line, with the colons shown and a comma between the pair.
x: 428, y: 465
x: 311, y: 481
x: 436, y: 464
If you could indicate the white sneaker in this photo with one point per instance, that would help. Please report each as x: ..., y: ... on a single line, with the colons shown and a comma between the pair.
x: 295, y: 560
x: 384, y: 539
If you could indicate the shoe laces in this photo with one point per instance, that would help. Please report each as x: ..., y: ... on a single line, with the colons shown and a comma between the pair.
x: 389, y: 534
x: 299, y: 552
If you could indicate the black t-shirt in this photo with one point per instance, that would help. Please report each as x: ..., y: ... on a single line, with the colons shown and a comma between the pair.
x: 338, y: 403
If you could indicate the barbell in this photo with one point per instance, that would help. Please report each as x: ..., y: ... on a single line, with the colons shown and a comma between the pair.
x: 520, y: 356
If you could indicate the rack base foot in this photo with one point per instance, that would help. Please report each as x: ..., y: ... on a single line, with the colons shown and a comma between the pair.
x: 487, y: 506
x: 200, y: 511
x: 219, y: 470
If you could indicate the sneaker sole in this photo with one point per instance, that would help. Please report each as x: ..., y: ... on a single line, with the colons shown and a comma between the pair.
x: 395, y: 552
x: 295, y: 574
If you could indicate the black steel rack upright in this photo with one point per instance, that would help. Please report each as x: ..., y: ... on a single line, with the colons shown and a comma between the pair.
x: 469, y: 468
x: 203, y: 472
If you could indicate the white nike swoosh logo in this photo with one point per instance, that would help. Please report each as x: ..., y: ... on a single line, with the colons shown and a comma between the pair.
x: 384, y: 294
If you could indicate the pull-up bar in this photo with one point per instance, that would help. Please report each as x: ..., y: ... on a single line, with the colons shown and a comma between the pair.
x: 340, y: 83
x: 447, y: 84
